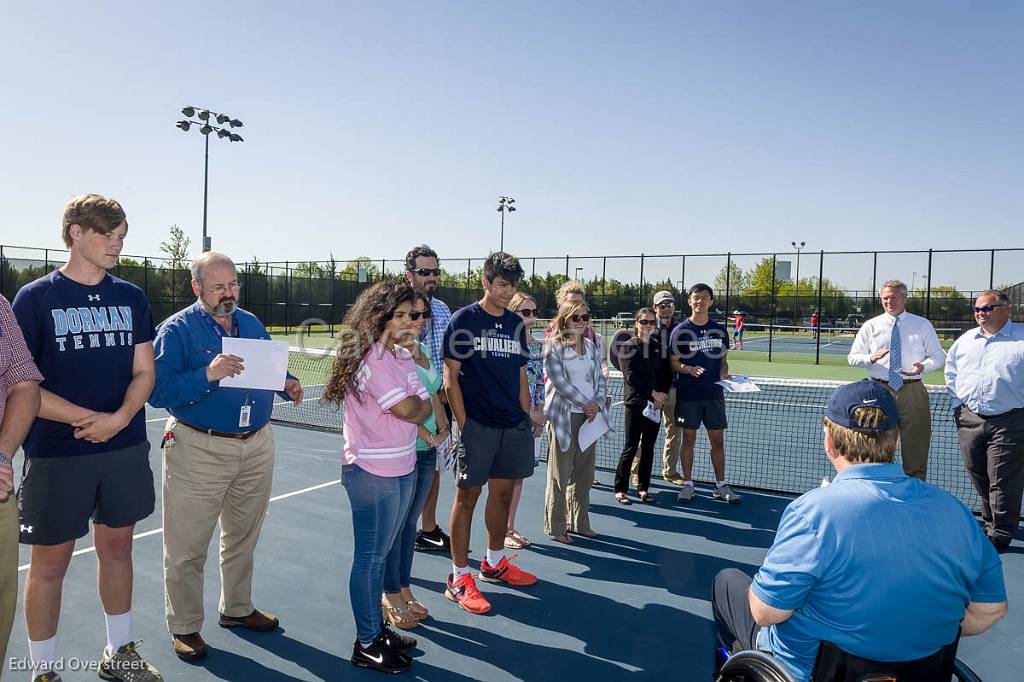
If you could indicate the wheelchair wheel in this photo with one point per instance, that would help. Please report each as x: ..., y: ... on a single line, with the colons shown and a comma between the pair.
x: 963, y: 673
x: 753, y: 666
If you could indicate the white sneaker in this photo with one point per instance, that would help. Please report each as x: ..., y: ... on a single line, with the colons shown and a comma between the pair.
x: 726, y: 494
x: 685, y: 494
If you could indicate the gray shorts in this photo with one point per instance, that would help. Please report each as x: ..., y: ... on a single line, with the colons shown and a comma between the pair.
x: 59, y: 495
x: 690, y: 414
x: 488, y: 452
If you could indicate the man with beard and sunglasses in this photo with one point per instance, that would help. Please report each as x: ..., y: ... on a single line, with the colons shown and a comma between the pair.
x: 218, y: 456
x: 422, y: 271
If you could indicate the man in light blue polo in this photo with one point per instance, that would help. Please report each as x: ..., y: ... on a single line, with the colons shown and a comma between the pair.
x: 881, y: 564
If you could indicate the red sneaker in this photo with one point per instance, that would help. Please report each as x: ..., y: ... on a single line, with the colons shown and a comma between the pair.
x: 506, y: 573
x: 464, y: 593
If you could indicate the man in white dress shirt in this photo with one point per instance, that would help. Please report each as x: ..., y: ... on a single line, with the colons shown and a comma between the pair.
x: 898, y: 348
x: 985, y: 377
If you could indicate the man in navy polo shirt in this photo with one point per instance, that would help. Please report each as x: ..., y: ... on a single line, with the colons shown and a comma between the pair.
x: 218, y: 456
x: 881, y: 564
x: 87, y: 455
x: 697, y: 352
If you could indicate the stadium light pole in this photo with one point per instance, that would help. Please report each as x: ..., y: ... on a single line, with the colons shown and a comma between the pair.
x: 201, y: 117
x: 504, y: 206
x: 796, y: 288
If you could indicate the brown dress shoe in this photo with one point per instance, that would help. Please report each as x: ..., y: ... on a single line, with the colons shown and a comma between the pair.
x: 257, y: 621
x: 190, y: 647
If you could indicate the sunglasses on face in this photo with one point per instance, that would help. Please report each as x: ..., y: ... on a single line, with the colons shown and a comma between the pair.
x: 987, y: 308
x: 662, y: 306
x: 580, y: 318
x: 427, y: 272
x: 417, y: 314
x: 646, y: 323
x: 528, y: 312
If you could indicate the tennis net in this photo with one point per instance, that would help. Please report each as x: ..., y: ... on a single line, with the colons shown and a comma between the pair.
x: 774, y: 439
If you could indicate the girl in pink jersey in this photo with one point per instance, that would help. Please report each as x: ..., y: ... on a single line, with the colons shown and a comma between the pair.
x: 384, y: 400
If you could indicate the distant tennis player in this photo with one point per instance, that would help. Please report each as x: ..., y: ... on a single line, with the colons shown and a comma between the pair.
x: 737, y: 332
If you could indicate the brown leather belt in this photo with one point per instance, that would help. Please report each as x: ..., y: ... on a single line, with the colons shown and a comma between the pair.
x: 246, y: 435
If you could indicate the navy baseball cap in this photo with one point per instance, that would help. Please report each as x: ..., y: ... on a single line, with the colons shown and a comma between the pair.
x: 864, y: 393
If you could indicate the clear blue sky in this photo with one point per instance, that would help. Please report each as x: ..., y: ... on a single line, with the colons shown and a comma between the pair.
x: 619, y: 127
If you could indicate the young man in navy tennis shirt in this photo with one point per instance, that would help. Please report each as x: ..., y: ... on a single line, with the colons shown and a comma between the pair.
x: 485, y: 356
x: 698, y: 349
x: 87, y: 455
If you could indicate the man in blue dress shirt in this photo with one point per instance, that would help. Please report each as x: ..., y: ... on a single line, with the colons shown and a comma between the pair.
x: 985, y: 376
x: 881, y: 564
x: 218, y: 456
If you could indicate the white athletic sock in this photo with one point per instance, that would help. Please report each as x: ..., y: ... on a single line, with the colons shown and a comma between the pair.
x: 119, y: 630
x: 494, y: 556
x: 719, y: 483
x: 458, y: 572
x: 43, y: 654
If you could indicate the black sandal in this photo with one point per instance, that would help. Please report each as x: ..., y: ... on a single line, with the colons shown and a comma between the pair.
x: 622, y: 499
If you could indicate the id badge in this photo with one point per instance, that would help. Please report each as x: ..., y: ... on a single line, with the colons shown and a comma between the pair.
x: 243, y: 416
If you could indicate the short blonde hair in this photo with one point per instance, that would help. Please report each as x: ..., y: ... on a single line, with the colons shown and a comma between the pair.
x: 570, y: 287
x: 876, y: 446
x: 565, y: 311
x: 518, y: 299
x: 92, y: 212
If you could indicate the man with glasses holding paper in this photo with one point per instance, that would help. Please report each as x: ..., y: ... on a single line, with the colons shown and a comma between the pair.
x: 218, y: 455
x: 985, y: 377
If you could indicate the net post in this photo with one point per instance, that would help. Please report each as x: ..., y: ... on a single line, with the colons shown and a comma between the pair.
x: 992, y: 269
x: 928, y: 298
x: 641, y: 279
x: 817, y: 339
x: 728, y: 283
x: 771, y: 319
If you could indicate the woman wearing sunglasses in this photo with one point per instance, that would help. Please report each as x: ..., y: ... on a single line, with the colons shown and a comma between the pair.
x: 524, y: 306
x: 574, y: 394
x: 400, y: 606
x: 384, y: 401
x: 646, y: 378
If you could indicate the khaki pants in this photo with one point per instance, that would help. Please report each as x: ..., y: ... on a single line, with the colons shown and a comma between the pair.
x: 570, y: 477
x: 8, y: 573
x: 915, y: 426
x: 205, y: 478
x: 673, y: 439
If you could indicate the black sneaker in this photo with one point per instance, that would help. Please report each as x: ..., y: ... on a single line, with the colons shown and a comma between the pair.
x: 380, y: 657
x: 396, y: 640
x: 433, y: 541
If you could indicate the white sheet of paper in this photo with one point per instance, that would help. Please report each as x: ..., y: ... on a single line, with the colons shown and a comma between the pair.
x: 446, y: 454
x: 591, y: 431
x: 266, y: 363
x: 738, y: 384
x: 651, y: 413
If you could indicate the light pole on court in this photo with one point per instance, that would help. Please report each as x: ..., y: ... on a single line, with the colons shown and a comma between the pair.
x: 796, y: 288
x: 205, y: 128
x: 504, y: 206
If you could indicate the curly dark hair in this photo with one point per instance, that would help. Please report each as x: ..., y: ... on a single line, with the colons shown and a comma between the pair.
x: 504, y: 265
x: 366, y: 321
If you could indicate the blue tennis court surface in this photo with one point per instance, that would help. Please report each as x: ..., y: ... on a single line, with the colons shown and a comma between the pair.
x: 632, y: 603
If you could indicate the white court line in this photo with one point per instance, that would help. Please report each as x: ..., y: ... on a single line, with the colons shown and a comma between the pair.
x: 155, y: 531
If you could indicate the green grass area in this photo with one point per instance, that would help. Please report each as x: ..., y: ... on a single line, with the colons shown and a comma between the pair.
x: 313, y: 370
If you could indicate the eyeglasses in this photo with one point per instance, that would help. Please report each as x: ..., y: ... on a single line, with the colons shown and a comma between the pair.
x: 662, y: 306
x: 987, y: 308
x: 417, y: 314
x: 578, y: 318
x: 528, y: 312
x: 646, y: 323
x: 221, y: 289
x: 427, y: 272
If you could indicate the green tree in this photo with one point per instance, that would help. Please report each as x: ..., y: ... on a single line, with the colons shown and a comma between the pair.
x: 309, y: 269
x: 730, y: 278
x: 176, y: 258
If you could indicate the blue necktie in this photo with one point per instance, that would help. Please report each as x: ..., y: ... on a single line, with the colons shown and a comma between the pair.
x: 895, y: 357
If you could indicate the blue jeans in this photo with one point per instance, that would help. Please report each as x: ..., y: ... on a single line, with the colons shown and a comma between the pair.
x: 379, y: 506
x: 399, y: 562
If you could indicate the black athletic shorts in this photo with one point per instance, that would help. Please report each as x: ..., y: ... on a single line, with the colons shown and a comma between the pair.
x: 486, y: 452
x: 690, y: 414
x: 59, y: 495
